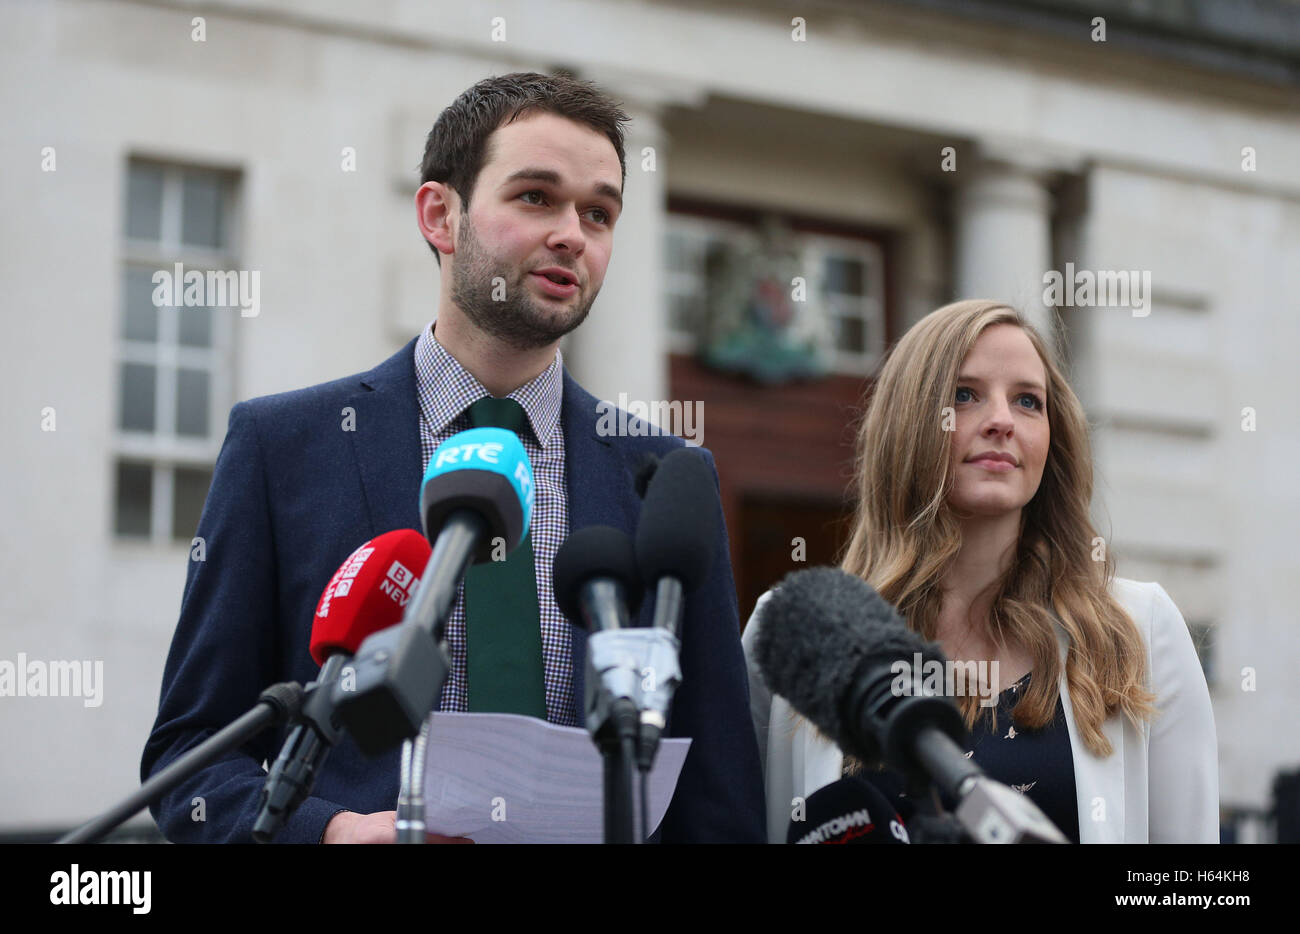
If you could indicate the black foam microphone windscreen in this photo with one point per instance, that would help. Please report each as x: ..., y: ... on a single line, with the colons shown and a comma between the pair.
x: 679, y: 521
x: 823, y: 631
x: 597, y: 551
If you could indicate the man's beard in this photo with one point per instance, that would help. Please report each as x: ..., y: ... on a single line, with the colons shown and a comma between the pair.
x: 517, y: 319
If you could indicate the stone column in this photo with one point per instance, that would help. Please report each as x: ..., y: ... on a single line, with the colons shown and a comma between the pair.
x: 1003, y: 236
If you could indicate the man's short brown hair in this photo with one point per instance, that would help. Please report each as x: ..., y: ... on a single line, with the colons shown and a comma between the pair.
x: 454, y: 151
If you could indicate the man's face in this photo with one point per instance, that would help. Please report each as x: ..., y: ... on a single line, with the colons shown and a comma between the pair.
x: 546, y: 199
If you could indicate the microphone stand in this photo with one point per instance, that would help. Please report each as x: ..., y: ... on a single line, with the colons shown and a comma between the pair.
x: 931, y: 824
x: 278, y: 705
x: 611, y: 685
x: 410, y: 797
x: 660, y: 652
x: 293, y: 775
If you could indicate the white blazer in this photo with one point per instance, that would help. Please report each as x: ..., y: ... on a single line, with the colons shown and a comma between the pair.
x: 1159, y: 785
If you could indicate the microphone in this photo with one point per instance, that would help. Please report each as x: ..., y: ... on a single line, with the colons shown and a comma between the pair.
x: 674, y: 549
x: 595, y: 578
x: 596, y: 585
x: 850, y: 810
x: 476, y: 499
x: 674, y: 538
x: 366, y: 594
x: 828, y: 644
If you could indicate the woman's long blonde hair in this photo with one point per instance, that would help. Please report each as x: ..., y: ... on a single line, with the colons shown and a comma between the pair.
x: 905, y: 536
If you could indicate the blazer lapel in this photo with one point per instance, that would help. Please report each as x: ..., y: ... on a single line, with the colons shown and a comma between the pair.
x: 386, y: 442
x: 597, y: 496
x: 1099, y: 783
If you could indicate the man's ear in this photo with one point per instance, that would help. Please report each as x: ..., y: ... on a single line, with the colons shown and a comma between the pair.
x: 437, y: 211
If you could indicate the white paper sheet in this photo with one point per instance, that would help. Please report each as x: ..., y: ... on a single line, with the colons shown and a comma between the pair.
x: 504, y: 778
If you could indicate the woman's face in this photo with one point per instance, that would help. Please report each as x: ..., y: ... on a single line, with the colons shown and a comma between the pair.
x: 999, y: 445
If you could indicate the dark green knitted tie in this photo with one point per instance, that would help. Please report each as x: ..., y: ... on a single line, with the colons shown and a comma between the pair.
x: 503, y: 638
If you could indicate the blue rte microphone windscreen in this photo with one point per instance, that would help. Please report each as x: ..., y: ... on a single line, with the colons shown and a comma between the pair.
x: 487, y: 471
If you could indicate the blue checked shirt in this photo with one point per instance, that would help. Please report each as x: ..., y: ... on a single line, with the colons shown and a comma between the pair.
x: 446, y: 390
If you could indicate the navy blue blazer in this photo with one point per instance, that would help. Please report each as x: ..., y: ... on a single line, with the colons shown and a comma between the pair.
x: 292, y: 495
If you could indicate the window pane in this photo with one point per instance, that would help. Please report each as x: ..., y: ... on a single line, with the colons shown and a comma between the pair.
x: 686, y: 314
x: 188, y: 493
x: 851, y: 334
x: 192, y: 403
x: 201, y: 209
x: 717, y: 254
x: 195, y: 326
x: 845, y: 276
x: 139, y: 388
x: 677, y: 252
x: 140, y: 320
x: 134, y: 498
x: 144, y: 202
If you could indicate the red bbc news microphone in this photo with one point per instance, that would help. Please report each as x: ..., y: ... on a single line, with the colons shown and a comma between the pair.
x: 368, y: 593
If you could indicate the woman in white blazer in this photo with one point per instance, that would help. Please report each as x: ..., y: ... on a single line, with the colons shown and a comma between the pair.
x: 974, y: 485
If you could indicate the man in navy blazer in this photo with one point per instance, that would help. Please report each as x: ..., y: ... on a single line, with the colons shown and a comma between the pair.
x: 292, y: 494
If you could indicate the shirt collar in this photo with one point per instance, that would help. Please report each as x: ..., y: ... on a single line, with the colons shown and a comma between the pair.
x: 446, y: 389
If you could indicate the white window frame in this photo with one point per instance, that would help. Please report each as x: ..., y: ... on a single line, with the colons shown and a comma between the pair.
x: 817, y: 248
x: 813, y: 248
x: 162, y: 450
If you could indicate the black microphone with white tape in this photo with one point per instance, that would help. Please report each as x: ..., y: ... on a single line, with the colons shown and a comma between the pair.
x: 828, y: 644
x: 675, y: 538
x: 596, y: 585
